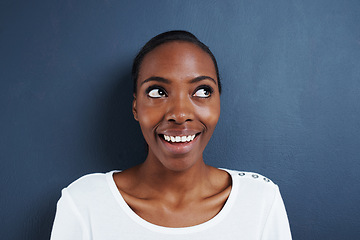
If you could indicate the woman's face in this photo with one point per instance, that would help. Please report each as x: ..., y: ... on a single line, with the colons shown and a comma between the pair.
x: 177, y: 103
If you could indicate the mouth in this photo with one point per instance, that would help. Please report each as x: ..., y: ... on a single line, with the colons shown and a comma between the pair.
x: 179, y: 144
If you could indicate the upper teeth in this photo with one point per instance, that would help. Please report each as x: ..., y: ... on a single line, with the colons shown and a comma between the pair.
x: 179, y: 138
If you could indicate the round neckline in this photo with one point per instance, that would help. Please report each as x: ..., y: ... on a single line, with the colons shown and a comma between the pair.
x: 170, y: 230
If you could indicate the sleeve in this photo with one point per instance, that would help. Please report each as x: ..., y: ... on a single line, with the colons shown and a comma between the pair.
x: 277, y: 224
x: 68, y: 223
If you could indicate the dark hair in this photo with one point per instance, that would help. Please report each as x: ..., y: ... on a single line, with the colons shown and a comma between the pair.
x: 165, y: 37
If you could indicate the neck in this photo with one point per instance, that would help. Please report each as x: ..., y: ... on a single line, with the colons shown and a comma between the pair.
x: 162, y: 180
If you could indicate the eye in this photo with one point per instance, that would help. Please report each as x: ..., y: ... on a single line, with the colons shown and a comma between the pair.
x: 156, y: 92
x: 203, y: 92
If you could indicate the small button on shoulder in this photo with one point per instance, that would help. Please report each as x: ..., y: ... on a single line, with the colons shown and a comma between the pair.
x: 252, y: 175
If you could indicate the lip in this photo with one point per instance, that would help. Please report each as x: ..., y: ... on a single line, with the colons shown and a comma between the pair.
x: 179, y: 148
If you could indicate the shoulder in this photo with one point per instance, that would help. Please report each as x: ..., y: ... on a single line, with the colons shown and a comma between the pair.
x: 253, y: 183
x: 88, y: 180
x: 253, y: 189
x: 89, y: 186
x: 87, y: 196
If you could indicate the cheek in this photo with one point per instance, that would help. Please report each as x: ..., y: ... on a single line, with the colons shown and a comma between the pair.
x: 209, y: 115
x: 148, y: 118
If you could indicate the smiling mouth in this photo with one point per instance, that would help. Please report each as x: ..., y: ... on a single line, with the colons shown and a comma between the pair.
x: 179, y: 139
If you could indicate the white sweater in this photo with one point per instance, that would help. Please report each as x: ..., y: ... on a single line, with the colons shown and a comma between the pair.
x: 92, y: 208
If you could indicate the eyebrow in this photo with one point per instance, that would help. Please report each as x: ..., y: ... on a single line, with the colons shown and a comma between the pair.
x: 156, y: 79
x: 200, y: 78
x: 164, y: 80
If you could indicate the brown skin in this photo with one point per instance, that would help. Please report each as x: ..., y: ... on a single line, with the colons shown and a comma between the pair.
x: 174, y: 187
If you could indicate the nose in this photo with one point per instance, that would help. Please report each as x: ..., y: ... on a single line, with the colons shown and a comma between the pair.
x: 180, y: 110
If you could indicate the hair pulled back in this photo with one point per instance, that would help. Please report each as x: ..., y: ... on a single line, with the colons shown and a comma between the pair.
x: 170, y: 36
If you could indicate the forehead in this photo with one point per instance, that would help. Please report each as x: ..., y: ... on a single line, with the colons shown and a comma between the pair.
x: 177, y: 58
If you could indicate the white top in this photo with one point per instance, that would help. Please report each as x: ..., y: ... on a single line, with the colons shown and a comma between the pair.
x: 93, y: 208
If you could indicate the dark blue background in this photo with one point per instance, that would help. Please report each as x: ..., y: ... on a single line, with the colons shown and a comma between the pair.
x: 290, y: 102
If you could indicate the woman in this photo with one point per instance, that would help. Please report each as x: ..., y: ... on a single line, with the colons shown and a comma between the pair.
x: 173, y: 194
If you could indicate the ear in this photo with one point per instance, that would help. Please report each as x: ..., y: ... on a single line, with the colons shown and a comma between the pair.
x: 134, y: 110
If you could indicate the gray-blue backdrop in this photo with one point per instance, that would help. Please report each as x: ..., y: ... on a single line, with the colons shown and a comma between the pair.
x: 290, y: 105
